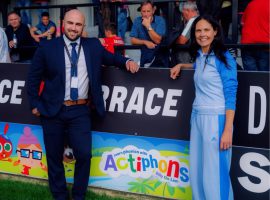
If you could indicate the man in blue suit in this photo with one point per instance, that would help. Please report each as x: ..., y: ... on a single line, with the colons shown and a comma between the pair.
x: 70, y: 67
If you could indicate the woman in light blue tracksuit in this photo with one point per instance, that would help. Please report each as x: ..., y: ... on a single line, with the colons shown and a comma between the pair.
x: 213, y: 110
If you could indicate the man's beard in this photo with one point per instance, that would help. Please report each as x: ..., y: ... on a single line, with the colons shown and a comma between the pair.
x: 73, y: 39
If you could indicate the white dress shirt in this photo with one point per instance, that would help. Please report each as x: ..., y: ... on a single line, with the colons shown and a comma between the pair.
x: 83, y: 81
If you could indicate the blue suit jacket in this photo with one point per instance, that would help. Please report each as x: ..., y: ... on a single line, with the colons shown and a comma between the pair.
x: 48, y: 64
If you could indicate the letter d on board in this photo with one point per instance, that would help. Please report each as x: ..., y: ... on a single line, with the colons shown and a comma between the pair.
x: 251, y: 122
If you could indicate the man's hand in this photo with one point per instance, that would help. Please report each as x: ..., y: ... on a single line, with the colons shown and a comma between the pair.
x: 11, y: 44
x: 36, y: 38
x: 36, y: 112
x: 146, y: 22
x: 132, y: 66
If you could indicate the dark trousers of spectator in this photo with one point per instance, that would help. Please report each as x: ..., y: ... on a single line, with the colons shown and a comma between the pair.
x: 72, y: 122
x: 255, y: 59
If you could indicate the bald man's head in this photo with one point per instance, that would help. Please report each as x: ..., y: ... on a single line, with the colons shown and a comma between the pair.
x: 74, y: 22
x: 74, y: 13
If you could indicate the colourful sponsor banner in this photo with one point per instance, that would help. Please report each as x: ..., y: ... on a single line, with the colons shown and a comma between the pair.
x: 139, y: 164
x: 22, y: 150
x: 146, y: 165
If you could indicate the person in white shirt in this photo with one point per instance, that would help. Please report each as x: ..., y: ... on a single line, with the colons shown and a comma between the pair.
x: 4, y: 54
x: 189, y: 13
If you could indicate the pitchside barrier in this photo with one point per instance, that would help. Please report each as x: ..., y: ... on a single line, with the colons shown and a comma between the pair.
x: 142, y: 145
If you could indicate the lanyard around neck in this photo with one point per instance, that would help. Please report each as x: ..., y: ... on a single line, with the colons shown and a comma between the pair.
x: 69, y: 56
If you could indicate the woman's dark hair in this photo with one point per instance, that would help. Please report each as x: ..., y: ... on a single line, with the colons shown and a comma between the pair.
x: 217, y: 46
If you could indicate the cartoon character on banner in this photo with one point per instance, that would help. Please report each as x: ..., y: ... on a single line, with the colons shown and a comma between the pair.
x: 5, y: 146
x: 29, y: 152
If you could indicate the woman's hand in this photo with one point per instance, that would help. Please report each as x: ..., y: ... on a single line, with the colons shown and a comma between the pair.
x: 175, y: 71
x: 227, y: 135
x: 226, y: 140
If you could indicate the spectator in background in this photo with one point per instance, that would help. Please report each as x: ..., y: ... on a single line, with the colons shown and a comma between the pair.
x: 111, y: 39
x: 19, y: 38
x: 4, y: 54
x: 148, y: 30
x: 45, y: 29
x: 25, y: 13
x: 255, y: 29
x: 189, y: 13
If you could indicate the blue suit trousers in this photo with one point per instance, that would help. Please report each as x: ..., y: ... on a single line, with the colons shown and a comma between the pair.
x: 73, y: 123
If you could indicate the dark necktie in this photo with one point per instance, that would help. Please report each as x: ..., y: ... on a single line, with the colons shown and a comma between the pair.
x: 74, y: 59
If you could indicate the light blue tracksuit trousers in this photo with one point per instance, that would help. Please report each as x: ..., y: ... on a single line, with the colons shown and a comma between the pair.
x: 209, y: 166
